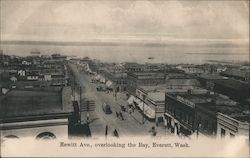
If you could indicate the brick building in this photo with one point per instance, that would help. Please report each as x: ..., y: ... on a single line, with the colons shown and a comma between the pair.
x: 144, y: 79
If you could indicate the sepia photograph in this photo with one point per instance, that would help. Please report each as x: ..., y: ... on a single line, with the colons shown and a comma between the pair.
x: 124, y: 78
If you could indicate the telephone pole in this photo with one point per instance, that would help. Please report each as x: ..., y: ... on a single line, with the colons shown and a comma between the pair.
x: 80, y: 102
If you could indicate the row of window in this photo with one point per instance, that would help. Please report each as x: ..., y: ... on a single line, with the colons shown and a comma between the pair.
x: 180, y: 115
x: 121, y: 82
x: 206, y: 124
x: 223, y: 133
x: 41, y: 136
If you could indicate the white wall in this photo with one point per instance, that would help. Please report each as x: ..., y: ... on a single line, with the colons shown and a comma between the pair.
x: 60, y: 130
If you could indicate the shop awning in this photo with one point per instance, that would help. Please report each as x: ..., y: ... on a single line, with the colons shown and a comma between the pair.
x: 167, y: 114
x: 140, y: 105
x: 176, y: 121
x: 98, y: 77
x: 102, y: 79
x: 109, y: 83
x: 149, y: 112
x: 138, y: 101
x: 131, y: 99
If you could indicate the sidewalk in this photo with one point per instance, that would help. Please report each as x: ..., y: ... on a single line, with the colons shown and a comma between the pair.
x: 138, y: 117
x: 131, y: 125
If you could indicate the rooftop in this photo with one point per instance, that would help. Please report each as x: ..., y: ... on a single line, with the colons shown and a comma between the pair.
x: 214, y: 103
x: 235, y: 112
x: 236, y: 72
x: 27, y: 103
x: 238, y: 85
x: 182, y: 82
x: 241, y: 117
x: 148, y: 75
x: 157, y: 88
x: 168, y: 87
x: 156, y: 96
x: 203, y: 97
x: 211, y: 76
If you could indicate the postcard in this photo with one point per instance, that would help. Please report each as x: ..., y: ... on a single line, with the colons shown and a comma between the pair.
x: 124, y: 78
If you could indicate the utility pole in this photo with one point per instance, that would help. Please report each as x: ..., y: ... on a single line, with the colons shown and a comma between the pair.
x: 74, y: 88
x: 80, y: 102
x: 106, y: 131
x: 87, y: 115
x: 143, y: 112
x: 86, y: 107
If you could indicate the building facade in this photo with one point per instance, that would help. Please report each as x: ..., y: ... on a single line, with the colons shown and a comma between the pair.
x: 45, y: 115
x: 229, y: 127
x: 144, y: 79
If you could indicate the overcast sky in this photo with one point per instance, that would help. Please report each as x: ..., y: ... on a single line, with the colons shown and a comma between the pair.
x: 124, y: 20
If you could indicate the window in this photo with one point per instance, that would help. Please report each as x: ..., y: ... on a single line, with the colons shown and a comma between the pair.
x: 205, y: 124
x: 182, y: 116
x: 170, y: 109
x: 189, y: 120
x: 177, y: 114
x: 12, y: 136
x: 46, y: 136
x: 199, y: 119
x: 186, y: 117
x: 223, y: 132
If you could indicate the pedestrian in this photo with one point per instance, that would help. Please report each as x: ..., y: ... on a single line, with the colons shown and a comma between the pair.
x: 117, y: 114
x: 165, y: 123
x: 116, y: 133
x: 87, y: 117
x: 153, y: 131
x: 123, y: 108
x: 106, y: 131
x: 121, y: 116
x: 130, y: 110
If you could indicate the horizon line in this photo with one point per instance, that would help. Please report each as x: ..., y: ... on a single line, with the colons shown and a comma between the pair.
x: 116, y: 43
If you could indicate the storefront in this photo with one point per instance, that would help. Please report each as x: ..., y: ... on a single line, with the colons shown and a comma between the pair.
x: 102, y: 79
x: 97, y: 77
x: 175, y: 126
x: 109, y: 85
x: 142, y: 106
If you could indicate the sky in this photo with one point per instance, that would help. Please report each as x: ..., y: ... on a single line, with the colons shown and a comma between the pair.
x: 125, y: 21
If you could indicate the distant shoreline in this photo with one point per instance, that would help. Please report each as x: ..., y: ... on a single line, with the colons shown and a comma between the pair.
x: 124, y: 43
x: 137, y: 52
x: 217, y: 53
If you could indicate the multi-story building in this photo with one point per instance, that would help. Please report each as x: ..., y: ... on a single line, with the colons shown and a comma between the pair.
x: 181, y: 81
x: 116, y: 80
x: 238, y: 74
x: 144, y: 79
x: 151, y: 102
x: 191, y: 69
x: 236, y: 90
x: 41, y: 114
x: 180, y: 113
x: 148, y: 67
x: 153, y: 97
x: 58, y: 57
x: 206, y: 80
x: 197, y: 111
x: 232, y: 125
x: 133, y: 67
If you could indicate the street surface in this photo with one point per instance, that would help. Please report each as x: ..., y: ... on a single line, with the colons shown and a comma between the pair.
x: 130, y: 126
